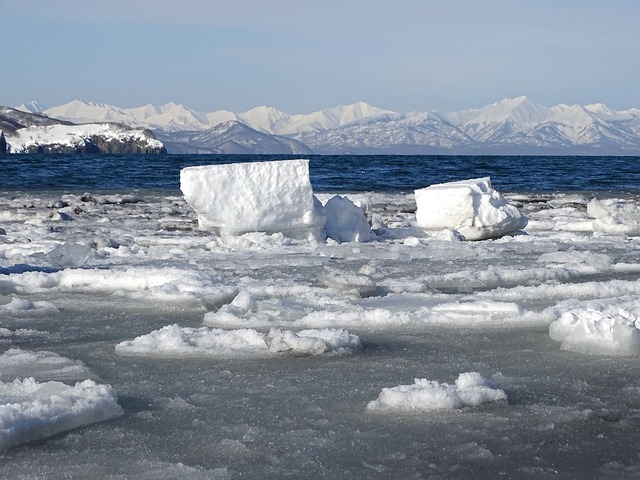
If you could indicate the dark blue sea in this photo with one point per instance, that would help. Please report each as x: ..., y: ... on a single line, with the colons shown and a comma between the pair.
x: 330, y: 173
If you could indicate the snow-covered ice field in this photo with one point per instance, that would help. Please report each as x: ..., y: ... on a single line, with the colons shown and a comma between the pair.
x: 134, y: 345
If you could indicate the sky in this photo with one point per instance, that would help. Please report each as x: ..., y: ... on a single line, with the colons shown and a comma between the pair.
x: 302, y: 56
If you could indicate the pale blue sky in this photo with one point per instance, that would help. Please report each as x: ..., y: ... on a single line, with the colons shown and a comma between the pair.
x: 300, y: 56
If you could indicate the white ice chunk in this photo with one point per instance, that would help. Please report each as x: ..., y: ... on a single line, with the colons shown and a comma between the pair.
x: 470, y: 389
x: 244, y: 302
x: 615, y: 216
x: 346, y: 222
x: 254, y: 197
x: 470, y: 207
x: 31, y: 411
x: 175, y: 341
x: 595, y: 332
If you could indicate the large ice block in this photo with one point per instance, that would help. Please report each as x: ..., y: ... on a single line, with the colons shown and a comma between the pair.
x: 254, y: 197
x: 471, y: 207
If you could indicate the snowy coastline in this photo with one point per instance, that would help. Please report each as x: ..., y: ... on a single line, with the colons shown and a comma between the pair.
x: 82, y: 273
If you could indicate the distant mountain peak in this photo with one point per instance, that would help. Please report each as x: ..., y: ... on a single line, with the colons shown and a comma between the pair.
x: 173, y: 106
x: 519, y: 111
x: 360, y: 106
x: 512, y: 102
x: 599, y: 108
x: 577, y: 116
x: 358, y: 110
x: 31, y: 107
x: 265, y: 111
x: 263, y: 118
x: 263, y: 108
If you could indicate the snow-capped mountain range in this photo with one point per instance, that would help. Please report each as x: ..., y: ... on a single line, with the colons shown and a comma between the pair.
x: 510, y: 126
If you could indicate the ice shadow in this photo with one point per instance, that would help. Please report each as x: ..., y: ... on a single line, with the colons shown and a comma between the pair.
x: 24, y: 268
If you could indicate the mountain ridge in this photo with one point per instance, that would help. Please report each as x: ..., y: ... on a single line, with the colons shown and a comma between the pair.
x: 517, y: 124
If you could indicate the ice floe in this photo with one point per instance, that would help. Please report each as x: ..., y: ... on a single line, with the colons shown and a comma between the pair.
x: 31, y: 410
x: 470, y: 389
x: 42, y: 365
x: 176, y: 341
x: 34, y: 404
x: 612, y: 331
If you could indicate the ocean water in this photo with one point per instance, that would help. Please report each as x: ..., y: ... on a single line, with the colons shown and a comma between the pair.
x: 386, y: 173
x: 119, y: 286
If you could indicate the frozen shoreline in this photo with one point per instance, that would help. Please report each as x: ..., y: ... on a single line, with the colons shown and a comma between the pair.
x: 423, y: 308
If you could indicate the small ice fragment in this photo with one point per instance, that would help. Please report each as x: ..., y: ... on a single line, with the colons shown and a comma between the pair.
x: 69, y: 254
x: 347, y: 282
x: 346, y: 222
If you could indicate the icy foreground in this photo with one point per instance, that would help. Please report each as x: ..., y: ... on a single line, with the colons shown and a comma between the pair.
x: 124, y: 290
